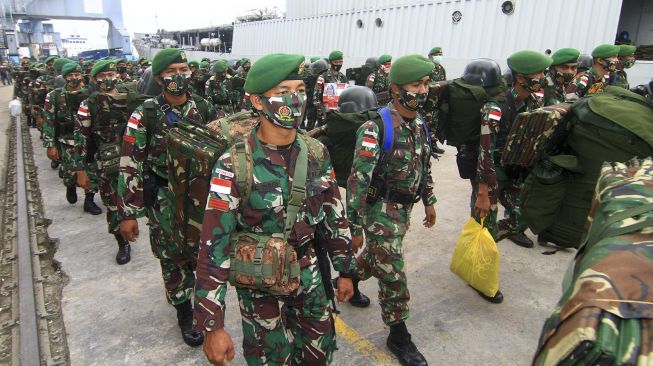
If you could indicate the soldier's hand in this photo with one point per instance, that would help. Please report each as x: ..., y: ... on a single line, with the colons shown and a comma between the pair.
x: 482, y: 204
x: 218, y: 347
x: 429, y: 220
x: 345, y: 289
x: 53, y: 153
x: 356, y: 243
x: 129, y: 229
x: 82, y: 180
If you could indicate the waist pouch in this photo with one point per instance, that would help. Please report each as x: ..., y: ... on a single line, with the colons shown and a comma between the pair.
x: 109, y: 154
x: 467, y: 162
x: 265, y: 263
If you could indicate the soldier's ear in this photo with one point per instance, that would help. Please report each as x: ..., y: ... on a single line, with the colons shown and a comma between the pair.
x: 255, y: 99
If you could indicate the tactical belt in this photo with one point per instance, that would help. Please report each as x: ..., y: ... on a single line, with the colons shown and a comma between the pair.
x: 391, y: 196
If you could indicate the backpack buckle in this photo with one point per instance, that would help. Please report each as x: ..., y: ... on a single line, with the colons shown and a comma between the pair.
x: 297, y: 195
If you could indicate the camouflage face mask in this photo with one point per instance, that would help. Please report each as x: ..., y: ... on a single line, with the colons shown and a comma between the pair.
x: 563, y: 78
x: 286, y: 111
x: 411, y: 101
x: 628, y: 63
x: 107, y: 84
x: 176, y: 84
x: 608, y: 65
x: 533, y: 85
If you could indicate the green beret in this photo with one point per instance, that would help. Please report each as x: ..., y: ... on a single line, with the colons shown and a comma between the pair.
x: 167, y: 57
x: 142, y: 60
x: 244, y: 60
x: 51, y: 58
x: 270, y: 70
x: 335, y: 55
x: 528, y: 62
x: 605, y: 51
x: 193, y: 64
x: 383, y: 59
x: 219, y: 66
x: 204, y: 64
x: 103, y: 66
x: 121, y: 60
x: 70, y: 67
x: 87, y: 63
x: 435, y: 50
x: 58, y: 64
x: 408, y: 69
x: 315, y: 58
x: 206, y: 59
x: 565, y: 55
x: 626, y: 50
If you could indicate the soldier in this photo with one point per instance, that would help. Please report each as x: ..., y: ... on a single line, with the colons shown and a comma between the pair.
x: 626, y: 61
x: 604, y: 62
x: 378, y: 80
x: 216, y: 88
x: 98, y: 131
x: 526, y: 94
x: 143, y: 176
x: 562, y: 71
x: 121, y: 69
x: 194, y: 75
x: 204, y: 76
x: 331, y: 76
x: 87, y: 67
x: 316, y: 68
x: 438, y: 73
x: 398, y: 179
x: 61, y: 106
x: 237, y: 86
x: 297, y: 329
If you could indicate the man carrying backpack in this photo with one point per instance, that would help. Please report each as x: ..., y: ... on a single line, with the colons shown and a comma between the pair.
x: 626, y: 61
x: 430, y: 115
x: 381, y: 191
x: 99, y: 128
x: 327, y: 82
x: 526, y: 94
x: 604, y: 64
x: 216, y: 89
x: 273, y: 190
x: 143, y: 178
x: 378, y: 80
x: 561, y: 73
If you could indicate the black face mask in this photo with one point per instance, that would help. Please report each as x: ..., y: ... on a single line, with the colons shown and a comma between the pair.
x: 121, y: 69
x: 107, y: 84
x: 336, y: 67
x: 74, y: 82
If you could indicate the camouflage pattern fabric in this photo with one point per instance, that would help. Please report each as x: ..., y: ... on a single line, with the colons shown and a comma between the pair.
x: 240, y: 126
x: 307, y: 317
x: 438, y: 73
x: 589, y: 82
x: 380, y: 84
x: 554, y: 93
x: 237, y: 92
x: 386, y: 223
x: 144, y: 151
x: 329, y: 76
x: 605, y: 315
x: 622, y: 79
x: 216, y: 91
x: 125, y: 78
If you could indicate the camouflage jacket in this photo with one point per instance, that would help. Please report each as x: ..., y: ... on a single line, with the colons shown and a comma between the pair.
x: 509, y: 112
x: 264, y: 213
x: 60, y: 111
x: 622, y: 79
x: 485, y: 172
x: 236, y: 89
x: 216, y: 91
x: 589, y: 82
x: 438, y: 73
x: 554, y: 93
x: 329, y: 76
x: 125, y: 78
x: 378, y: 82
x: 408, y: 167
x: 143, y: 149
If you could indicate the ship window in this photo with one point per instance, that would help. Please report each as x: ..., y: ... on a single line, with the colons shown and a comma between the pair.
x: 378, y: 22
x: 359, y: 23
x: 508, y: 7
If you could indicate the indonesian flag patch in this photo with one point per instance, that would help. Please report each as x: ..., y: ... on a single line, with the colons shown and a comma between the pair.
x: 220, y: 205
x: 366, y: 153
x: 495, y: 114
x: 132, y: 123
x: 369, y: 143
x: 220, y: 186
x: 129, y: 139
x: 82, y: 111
x: 539, y: 94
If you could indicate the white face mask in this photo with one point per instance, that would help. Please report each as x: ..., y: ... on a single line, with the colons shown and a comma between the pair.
x: 437, y: 59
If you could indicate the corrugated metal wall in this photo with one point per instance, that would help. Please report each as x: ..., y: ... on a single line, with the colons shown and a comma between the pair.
x: 411, y: 26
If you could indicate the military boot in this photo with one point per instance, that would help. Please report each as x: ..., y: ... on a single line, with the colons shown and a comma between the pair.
x: 54, y: 164
x: 401, y: 345
x: 496, y: 299
x: 90, y: 206
x: 191, y: 337
x: 71, y: 194
x: 123, y: 256
x: 519, y: 238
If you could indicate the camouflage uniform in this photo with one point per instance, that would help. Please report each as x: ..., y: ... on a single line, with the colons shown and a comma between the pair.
x: 554, y: 93
x: 330, y: 76
x: 144, y: 150
x: 60, y: 113
x: 429, y: 110
x: 386, y: 223
x: 379, y: 83
x: 622, y: 79
x: 267, y: 320
x: 510, y: 185
x: 239, y: 98
x: 217, y: 92
x: 486, y: 170
x: 438, y: 73
x: 125, y: 78
x: 589, y: 82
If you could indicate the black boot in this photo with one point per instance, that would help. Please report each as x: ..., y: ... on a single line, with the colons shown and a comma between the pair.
x: 359, y: 300
x: 496, y: 299
x: 191, y: 337
x: 90, y: 206
x: 54, y: 164
x: 71, y: 194
x: 123, y: 256
x: 402, y: 346
x: 60, y: 172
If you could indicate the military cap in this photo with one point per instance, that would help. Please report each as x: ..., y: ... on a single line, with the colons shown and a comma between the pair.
x: 204, y: 64
x: 626, y: 50
x: 435, y: 50
x: 243, y: 61
x: 408, y: 69
x: 605, y: 51
x: 565, y: 55
x: 70, y: 67
x: 58, y: 64
x: 528, y: 62
x: 103, y: 66
x: 383, y: 59
x: 142, y: 60
x: 89, y: 62
x: 219, y: 66
x: 167, y: 57
x: 272, y: 69
x: 206, y: 59
x: 315, y: 58
x: 335, y: 55
x: 121, y: 60
x: 51, y: 58
x: 193, y: 64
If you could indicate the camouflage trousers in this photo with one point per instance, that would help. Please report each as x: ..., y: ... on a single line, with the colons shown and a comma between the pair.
x: 383, y: 258
x: 177, y: 264
x: 108, y: 187
x: 509, y: 192
x: 491, y: 219
x: 288, y: 330
x: 69, y: 168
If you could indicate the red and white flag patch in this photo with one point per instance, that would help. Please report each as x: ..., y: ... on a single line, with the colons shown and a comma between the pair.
x: 539, y: 94
x: 82, y: 111
x: 132, y: 123
x: 369, y: 142
x: 366, y: 153
x: 129, y: 139
x: 218, y: 204
x: 495, y: 114
x: 219, y: 185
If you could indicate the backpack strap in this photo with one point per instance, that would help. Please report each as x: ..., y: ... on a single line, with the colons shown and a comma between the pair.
x: 604, y: 230
x: 226, y: 132
x: 297, y: 191
x: 388, y: 130
x: 243, y: 166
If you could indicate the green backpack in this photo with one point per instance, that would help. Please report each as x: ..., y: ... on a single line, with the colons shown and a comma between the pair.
x: 462, y: 120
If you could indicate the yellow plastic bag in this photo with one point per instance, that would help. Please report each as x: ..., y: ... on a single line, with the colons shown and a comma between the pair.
x: 476, y: 258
